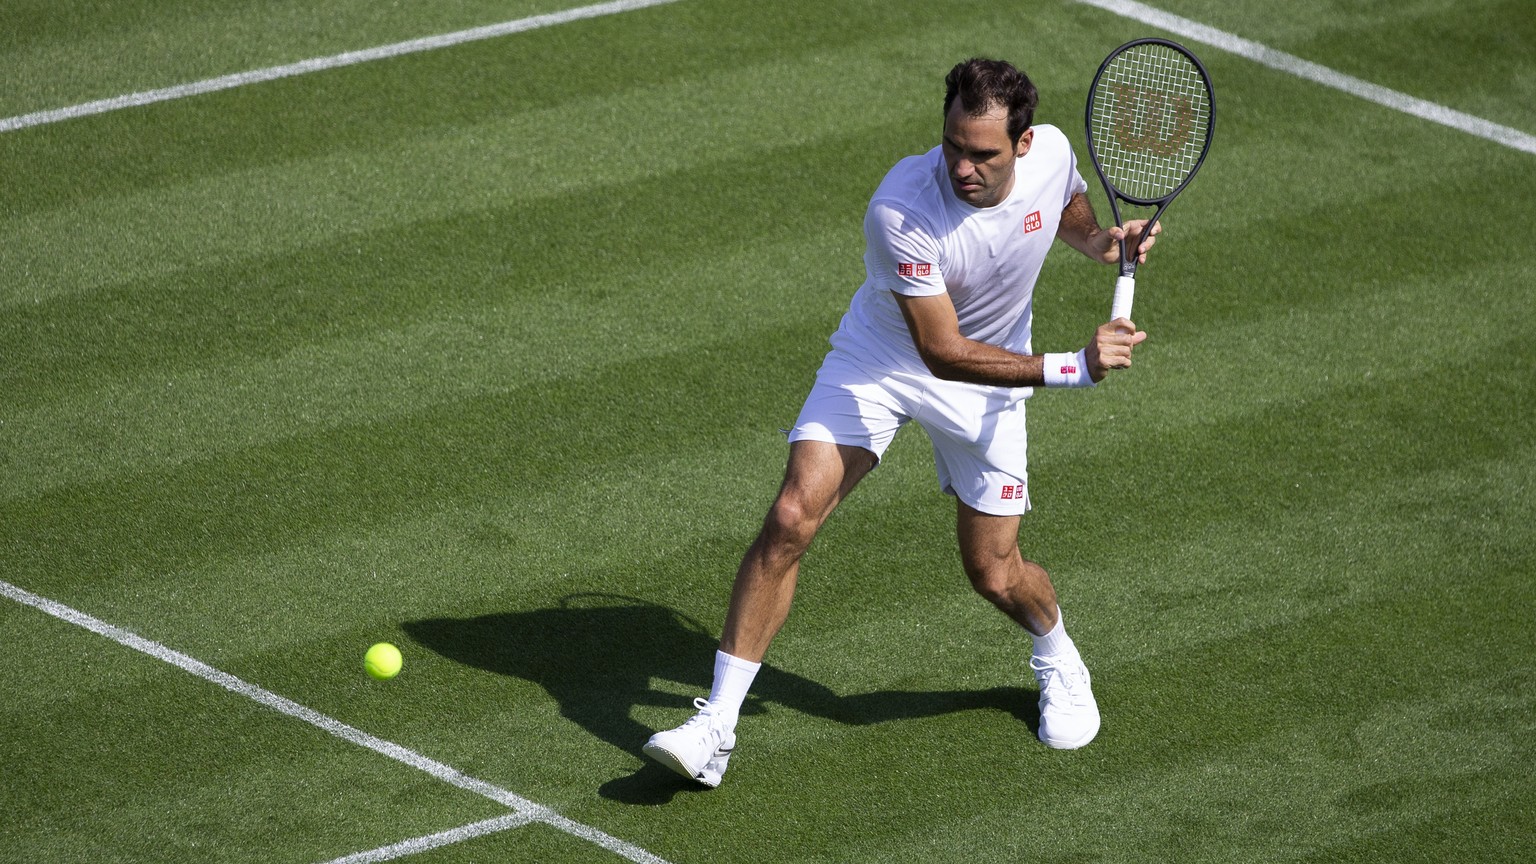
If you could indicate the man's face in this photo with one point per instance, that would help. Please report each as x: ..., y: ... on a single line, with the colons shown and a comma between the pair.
x: 979, y: 155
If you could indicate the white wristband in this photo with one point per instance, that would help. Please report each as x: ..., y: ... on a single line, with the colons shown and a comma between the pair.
x: 1067, y: 370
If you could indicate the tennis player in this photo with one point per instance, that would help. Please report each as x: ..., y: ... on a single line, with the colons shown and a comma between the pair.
x: 938, y: 333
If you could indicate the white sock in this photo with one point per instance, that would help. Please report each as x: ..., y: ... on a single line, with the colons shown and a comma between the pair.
x: 733, y: 677
x: 1056, y: 642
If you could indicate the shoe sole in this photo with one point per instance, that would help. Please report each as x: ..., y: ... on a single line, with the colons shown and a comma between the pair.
x: 671, y: 760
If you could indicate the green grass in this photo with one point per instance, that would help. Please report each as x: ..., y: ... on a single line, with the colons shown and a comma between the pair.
x: 484, y: 352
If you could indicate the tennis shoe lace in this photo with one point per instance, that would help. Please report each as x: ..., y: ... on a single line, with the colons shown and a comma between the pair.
x: 1063, y: 678
x: 707, y: 724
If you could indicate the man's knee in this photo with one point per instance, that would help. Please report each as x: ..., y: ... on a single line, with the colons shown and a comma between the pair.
x: 791, y: 525
x: 994, y: 580
x: 815, y: 480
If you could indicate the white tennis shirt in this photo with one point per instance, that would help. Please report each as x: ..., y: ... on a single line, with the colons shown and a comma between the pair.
x: 921, y: 240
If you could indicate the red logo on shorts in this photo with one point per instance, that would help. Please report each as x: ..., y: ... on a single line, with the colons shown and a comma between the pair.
x: 1032, y: 222
x: 1013, y: 493
x: 914, y: 269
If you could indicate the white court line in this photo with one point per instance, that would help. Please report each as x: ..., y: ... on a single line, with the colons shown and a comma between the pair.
x: 1293, y: 65
x: 525, y: 809
x: 317, y: 64
x: 435, y: 841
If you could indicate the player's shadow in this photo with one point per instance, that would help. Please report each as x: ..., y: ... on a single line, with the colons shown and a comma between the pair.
x: 597, y: 654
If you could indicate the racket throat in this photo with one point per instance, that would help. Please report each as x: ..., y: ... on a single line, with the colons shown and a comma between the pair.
x: 1127, y: 263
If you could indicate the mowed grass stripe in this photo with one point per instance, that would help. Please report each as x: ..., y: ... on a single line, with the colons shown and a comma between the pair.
x: 321, y: 64
x: 1291, y: 732
x: 1207, y: 693
x: 1176, y: 714
x: 348, y: 478
x: 678, y: 539
x: 514, y: 543
x: 462, y: 321
x: 416, y: 332
x: 1232, y: 754
x: 55, y: 58
x: 448, y: 450
x: 540, y: 268
x: 318, y: 455
x: 733, y: 118
x: 1222, y: 543
x: 366, y: 107
x: 1283, y: 355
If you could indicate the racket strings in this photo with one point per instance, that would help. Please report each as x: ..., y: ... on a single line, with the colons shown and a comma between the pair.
x: 1151, y: 115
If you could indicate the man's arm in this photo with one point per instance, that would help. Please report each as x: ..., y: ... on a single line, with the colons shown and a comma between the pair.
x: 1079, y: 228
x: 949, y: 355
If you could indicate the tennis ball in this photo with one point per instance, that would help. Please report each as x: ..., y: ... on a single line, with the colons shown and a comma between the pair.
x: 383, y: 661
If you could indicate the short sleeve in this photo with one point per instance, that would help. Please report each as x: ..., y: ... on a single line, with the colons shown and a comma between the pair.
x: 901, y: 254
x: 1076, y: 183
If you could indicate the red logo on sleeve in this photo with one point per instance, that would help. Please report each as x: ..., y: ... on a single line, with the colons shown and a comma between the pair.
x: 1032, y: 222
x: 914, y: 269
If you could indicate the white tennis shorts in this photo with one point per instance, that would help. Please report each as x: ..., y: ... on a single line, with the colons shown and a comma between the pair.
x: 977, y: 431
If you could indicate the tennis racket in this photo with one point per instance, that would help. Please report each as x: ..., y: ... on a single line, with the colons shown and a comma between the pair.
x: 1151, y: 113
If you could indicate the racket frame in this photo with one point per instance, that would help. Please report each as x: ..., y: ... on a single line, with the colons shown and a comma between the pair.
x: 1125, y: 285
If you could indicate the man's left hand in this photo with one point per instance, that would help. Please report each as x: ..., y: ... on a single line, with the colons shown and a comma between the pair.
x: 1107, y: 242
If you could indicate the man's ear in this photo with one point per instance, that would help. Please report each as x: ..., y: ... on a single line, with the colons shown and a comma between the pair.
x: 1024, y: 141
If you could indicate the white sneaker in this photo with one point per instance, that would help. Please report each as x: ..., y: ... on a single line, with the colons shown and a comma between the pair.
x: 1069, y: 718
x: 697, y: 749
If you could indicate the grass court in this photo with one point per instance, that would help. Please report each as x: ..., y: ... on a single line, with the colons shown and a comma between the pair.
x: 485, y: 350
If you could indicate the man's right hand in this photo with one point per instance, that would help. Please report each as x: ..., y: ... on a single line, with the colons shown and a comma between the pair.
x: 1111, y: 347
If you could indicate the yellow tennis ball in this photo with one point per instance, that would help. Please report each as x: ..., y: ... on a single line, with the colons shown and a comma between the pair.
x: 383, y: 661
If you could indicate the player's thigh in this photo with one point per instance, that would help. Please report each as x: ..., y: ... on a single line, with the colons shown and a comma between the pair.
x: 818, y: 477
x: 985, y: 538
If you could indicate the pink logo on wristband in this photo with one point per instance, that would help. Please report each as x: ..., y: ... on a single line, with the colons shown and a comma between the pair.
x: 1069, y: 370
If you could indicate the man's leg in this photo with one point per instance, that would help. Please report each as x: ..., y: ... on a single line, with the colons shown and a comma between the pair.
x: 818, y: 477
x: 1022, y: 590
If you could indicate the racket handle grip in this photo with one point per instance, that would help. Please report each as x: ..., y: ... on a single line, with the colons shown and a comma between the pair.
x: 1125, y: 292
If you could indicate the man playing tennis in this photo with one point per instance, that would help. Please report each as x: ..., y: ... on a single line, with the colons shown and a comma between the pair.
x: 938, y: 333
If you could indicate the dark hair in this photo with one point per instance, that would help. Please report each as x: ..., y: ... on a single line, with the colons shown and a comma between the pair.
x: 985, y: 84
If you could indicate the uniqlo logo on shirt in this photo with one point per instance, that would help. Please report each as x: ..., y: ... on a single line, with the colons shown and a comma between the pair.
x: 1032, y: 222
x: 1013, y: 493
x: 914, y: 269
